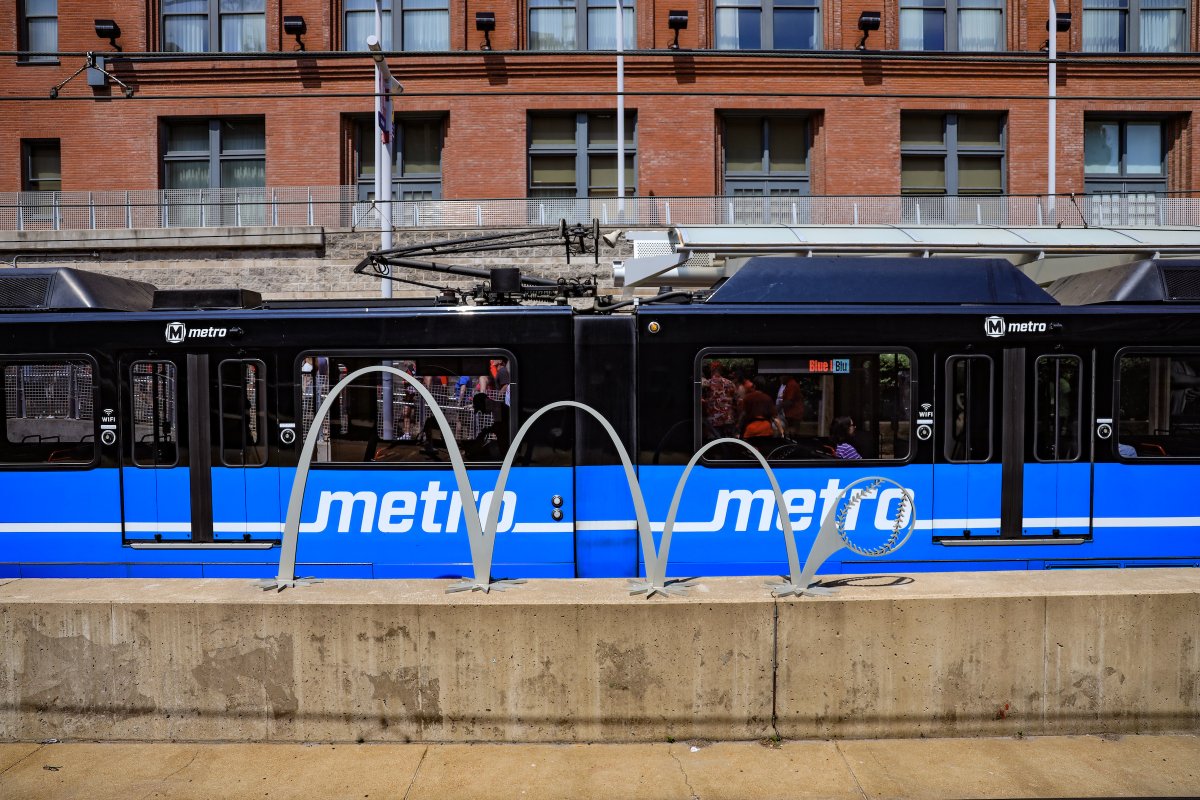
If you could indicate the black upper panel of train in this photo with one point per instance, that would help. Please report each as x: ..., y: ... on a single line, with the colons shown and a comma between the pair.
x: 879, y: 281
x: 762, y: 280
x: 1149, y: 281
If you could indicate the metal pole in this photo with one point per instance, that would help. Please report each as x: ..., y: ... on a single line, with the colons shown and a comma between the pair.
x: 384, y: 148
x: 621, y: 107
x: 1052, y: 113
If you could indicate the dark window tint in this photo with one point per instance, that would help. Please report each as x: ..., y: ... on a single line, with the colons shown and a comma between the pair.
x: 382, y: 418
x: 155, y: 391
x: 1159, y: 406
x: 243, y: 413
x: 48, y: 413
x: 799, y: 406
x: 1059, y: 396
x: 969, y: 408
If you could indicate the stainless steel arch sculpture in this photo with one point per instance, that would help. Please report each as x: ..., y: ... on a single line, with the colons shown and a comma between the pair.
x: 656, y: 580
x: 833, y: 537
x: 482, y: 537
x: 291, y: 529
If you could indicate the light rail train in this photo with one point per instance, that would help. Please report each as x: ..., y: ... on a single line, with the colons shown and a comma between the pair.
x: 150, y: 433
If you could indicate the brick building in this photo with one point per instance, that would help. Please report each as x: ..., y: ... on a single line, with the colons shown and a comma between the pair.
x: 762, y: 97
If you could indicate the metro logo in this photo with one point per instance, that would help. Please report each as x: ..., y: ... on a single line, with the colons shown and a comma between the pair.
x: 396, y: 512
x: 436, y: 510
x: 801, y: 505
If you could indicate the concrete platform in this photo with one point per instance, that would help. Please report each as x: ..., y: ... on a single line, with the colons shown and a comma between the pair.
x: 978, y: 654
x: 1074, y: 766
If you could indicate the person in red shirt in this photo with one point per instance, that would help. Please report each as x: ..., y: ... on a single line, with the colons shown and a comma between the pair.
x: 758, y: 412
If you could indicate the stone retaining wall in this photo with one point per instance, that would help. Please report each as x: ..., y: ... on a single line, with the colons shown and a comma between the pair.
x: 300, y: 264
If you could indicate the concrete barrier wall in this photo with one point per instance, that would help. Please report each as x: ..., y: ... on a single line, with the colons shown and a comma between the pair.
x: 937, y: 655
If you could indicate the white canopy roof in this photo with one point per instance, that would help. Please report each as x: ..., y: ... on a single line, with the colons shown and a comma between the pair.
x: 700, y: 255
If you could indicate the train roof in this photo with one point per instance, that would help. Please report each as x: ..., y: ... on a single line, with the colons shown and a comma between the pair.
x: 1149, y: 281
x: 848, y: 280
x: 62, y: 288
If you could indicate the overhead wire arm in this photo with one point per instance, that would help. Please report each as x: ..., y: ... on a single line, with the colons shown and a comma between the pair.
x: 504, y: 284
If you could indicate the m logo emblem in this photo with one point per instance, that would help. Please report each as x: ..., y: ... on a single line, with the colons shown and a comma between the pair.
x: 994, y: 326
x: 176, y: 332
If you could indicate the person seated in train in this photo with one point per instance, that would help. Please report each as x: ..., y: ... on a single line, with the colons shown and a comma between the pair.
x: 758, y: 412
x: 492, y: 442
x: 842, y: 432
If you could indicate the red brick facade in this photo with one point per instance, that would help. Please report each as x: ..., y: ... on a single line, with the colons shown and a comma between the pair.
x: 854, y: 100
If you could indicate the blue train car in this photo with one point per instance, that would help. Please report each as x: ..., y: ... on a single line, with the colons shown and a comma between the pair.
x: 158, y: 433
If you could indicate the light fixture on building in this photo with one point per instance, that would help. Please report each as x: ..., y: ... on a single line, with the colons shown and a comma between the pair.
x: 676, y: 21
x: 867, y: 21
x: 109, y: 29
x: 295, y: 26
x: 1062, y: 24
x: 485, y: 21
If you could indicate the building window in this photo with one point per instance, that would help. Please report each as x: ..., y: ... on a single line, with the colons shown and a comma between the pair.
x: 417, y: 167
x: 1147, y: 26
x: 956, y: 25
x: 1124, y: 156
x: 201, y: 156
x: 38, y: 30
x: 41, y: 166
x: 766, y: 156
x: 568, y: 24
x: 227, y: 26
x: 952, y: 154
x: 768, y: 24
x: 575, y: 155
x: 421, y: 25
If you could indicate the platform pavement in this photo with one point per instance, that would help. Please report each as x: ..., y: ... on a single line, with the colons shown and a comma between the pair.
x: 1052, y: 766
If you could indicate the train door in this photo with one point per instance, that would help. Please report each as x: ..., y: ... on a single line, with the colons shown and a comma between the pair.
x: 1056, y: 484
x: 245, y: 495
x: 1147, y: 443
x: 967, y: 471
x: 1013, y: 464
x: 191, y: 466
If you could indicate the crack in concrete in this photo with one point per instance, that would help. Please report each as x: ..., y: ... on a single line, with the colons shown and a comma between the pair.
x: 413, y: 780
x: 191, y: 761
x: 28, y: 756
x: 861, y: 792
x: 691, y: 792
x: 775, y: 670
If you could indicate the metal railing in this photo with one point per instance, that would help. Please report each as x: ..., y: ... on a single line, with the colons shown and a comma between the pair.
x: 340, y: 207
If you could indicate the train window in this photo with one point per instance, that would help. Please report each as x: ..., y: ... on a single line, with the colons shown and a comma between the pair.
x: 155, y: 406
x: 48, y: 413
x: 1057, y: 411
x: 809, y: 406
x: 243, y: 413
x: 969, y: 400
x: 474, y: 393
x: 1159, y: 405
